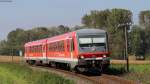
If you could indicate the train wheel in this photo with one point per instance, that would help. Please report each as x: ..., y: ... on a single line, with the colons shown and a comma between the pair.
x: 39, y: 63
x: 76, y: 69
x: 68, y: 67
x: 31, y: 62
x: 105, y: 68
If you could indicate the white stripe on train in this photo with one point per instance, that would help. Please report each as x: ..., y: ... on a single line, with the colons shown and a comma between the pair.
x: 62, y: 59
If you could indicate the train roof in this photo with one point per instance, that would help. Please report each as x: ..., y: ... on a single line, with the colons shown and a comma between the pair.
x: 91, y: 31
x: 37, y: 42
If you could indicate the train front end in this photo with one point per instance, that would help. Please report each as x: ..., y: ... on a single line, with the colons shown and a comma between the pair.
x: 93, y: 50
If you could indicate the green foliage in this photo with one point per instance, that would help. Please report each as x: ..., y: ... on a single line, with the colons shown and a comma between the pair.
x: 96, y: 19
x: 21, y: 74
x: 116, y: 18
x: 144, y: 21
x: 137, y: 41
x: 144, y: 18
x: 17, y: 38
x: 137, y: 72
x: 86, y: 20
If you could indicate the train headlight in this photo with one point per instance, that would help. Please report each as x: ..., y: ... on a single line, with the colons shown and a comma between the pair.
x: 82, y: 57
x: 104, y: 56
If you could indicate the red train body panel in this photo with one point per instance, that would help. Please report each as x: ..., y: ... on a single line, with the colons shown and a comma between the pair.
x: 34, y: 50
x: 58, y: 47
x: 79, y: 48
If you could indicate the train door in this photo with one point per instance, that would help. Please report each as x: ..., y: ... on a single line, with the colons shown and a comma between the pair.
x: 70, y: 47
x: 44, y: 53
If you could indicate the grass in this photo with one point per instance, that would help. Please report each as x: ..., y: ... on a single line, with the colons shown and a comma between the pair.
x: 139, y: 73
x: 21, y: 74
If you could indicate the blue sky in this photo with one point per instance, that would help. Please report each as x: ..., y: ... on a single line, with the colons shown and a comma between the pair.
x: 27, y: 14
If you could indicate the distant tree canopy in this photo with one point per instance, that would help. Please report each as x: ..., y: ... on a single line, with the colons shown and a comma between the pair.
x: 144, y: 18
x: 96, y: 19
x: 17, y: 38
x: 144, y: 21
x: 137, y: 41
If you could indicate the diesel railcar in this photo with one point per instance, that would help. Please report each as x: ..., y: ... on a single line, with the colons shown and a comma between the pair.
x: 80, y: 50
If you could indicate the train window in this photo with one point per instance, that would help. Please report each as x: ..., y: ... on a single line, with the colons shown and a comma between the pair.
x: 39, y: 48
x: 85, y: 40
x: 33, y: 48
x: 52, y: 46
x: 57, y: 46
x: 88, y: 42
x: 98, y: 40
x: 29, y: 49
x: 49, y: 47
x: 62, y: 45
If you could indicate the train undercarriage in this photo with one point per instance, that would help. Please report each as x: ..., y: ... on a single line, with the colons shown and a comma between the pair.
x: 94, y: 66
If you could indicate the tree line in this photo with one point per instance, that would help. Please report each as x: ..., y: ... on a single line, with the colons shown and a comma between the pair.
x: 112, y: 20
x: 18, y: 37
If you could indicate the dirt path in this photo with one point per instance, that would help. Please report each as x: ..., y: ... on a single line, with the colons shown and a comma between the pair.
x: 86, y: 78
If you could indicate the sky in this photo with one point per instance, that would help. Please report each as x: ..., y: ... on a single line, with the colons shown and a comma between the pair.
x: 27, y: 14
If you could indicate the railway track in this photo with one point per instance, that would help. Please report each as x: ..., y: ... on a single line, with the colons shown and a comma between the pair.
x: 86, y: 78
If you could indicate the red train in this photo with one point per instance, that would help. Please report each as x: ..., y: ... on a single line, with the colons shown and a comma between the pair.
x: 80, y: 50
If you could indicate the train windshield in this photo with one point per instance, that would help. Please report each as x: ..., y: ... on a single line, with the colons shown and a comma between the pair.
x: 88, y: 44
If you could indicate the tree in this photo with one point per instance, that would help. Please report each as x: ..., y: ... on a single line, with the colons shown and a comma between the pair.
x: 144, y: 21
x: 144, y: 18
x: 116, y: 33
x: 96, y: 19
x: 77, y: 27
x: 4, y: 48
x: 86, y: 20
x: 137, y: 40
x: 63, y: 29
